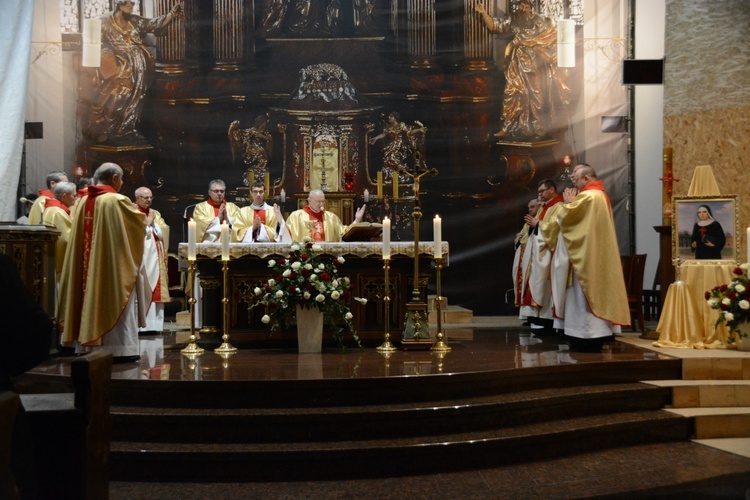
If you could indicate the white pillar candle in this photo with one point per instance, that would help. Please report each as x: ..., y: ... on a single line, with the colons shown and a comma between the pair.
x: 386, y: 238
x: 282, y: 196
x: 437, y: 230
x: 366, y: 196
x: 224, y: 241
x: 191, y: 239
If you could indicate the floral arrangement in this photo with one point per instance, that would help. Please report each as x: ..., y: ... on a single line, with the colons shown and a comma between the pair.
x: 309, y: 279
x: 733, y: 300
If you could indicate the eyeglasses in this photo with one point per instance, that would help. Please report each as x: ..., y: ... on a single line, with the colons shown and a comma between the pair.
x: 146, y: 197
x: 218, y: 191
x: 540, y: 191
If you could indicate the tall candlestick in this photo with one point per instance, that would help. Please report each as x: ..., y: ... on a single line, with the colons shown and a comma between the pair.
x: 395, y: 187
x: 386, y: 238
x: 380, y: 185
x: 267, y: 181
x: 366, y: 196
x: 191, y: 239
x: 224, y: 241
x: 282, y: 196
x: 437, y: 230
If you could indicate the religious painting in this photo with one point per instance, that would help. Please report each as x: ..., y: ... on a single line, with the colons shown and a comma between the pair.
x: 705, y: 229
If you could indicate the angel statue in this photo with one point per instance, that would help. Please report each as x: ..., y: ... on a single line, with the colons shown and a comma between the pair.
x: 402, y: 141
x: 254, y: 144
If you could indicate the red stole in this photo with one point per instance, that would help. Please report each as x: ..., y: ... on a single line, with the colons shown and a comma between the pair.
x: 554, y: 201
x: 88, y: 227
x: 156, y: 294
x: 143, y: 210
x: 598, y: 185
x: 215, y: 205
x: 83, y: 192
x: 260, y: 213
x: 47, y: 193
x: 53, y: 202
x: 317, y: 231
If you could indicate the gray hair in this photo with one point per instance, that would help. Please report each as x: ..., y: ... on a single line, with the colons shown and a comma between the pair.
x: 55, y: 176
x: 217, y: 181
x: 62, y: 188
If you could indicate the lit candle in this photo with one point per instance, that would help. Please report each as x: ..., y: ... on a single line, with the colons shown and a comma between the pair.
x: 395, y: 187
x: 191, y: 239
x: 282, y: 196
x: 224, y: 241
x: 437, y: 230
x: 267, y: 181
x: 380, y: 185
x: 367, y: 196
x: 386, y: 238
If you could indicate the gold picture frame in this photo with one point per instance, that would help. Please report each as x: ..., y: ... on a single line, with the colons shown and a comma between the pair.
x: 695, y: 239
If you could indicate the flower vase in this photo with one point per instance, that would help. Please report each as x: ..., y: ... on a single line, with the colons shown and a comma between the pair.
x: 309, y: 329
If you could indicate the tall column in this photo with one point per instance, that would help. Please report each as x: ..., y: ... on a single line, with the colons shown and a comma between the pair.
x: 232, y: 34
x: 171, y: 48
x: 477, y: 38
x: 420, y: 17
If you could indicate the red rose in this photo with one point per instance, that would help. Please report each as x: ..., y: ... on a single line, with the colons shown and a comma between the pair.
x: 346, y: 294
x: 723, y: 288
x: 305, y: 272
x: 325, y: 277
x: 304, y: 256
x: 292, y: 276
x: 707, y: 295
x: 282, y: 262
x: 731, y: 295
x: 301, y: 301
x: 723, y: 307
x: 738, y: 271
x: 279, y: 278
x: 268, y: 288
x: 309, y: 245
x: 308, y: 286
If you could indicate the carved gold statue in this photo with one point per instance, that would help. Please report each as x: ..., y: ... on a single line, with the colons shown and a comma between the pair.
x: 252, y: 144
x: 402, y: 141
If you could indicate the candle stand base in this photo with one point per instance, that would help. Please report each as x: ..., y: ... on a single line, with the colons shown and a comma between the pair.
x: 416, y: 330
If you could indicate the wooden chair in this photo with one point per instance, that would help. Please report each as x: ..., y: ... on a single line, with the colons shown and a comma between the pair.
x: 176, y: 281
x: 633, y: 267
x: 72, y: 432
x: 9, y: 402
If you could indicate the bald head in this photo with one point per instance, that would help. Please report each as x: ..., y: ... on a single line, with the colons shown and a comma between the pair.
x: 109, y: 174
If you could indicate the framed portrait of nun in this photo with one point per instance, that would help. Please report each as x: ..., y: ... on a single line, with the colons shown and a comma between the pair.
x: 705, y: 229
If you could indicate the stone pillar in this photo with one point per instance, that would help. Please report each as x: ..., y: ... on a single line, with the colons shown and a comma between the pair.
x: 232, y: 34
x: 171, y: 48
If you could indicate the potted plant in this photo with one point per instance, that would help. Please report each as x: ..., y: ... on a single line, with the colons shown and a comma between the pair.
x: 306, y: 289
x: 733, y: 302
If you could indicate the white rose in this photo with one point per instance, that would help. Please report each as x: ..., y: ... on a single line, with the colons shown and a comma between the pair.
x: 335, y: 295
x: 313, y: 277
x: 361, y: 300
x: 294, y: 247
x: 341, y: 260
x: 321, y: 287
x: 308, y: 266
x: 271, y: 282
x: 744, y: 304
x: 728, y: 316
x: 712, y: 302
x: 726, y: 301
x: 335, y: 284
x: 320, y: 298
x: 296, y: 266
x: 745, y: 266
x: 739, y: 288
x: 266, y: 319
x: 321, y: 267
x: 286, y: 273
x: 271, y: 263
x: 306, y: 239
x: 258, y: 291
x: 317, y: 248
x: 279, y: 294
x: 306, y: 295
x: 348, y: 315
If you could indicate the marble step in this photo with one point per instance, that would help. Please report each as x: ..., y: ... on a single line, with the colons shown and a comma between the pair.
x: 706, y: 393
x: 730, y: 366
x: 718, y: 422
x: 387, y: 457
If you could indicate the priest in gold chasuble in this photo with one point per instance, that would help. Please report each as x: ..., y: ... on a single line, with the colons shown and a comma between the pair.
x: 102, y: 271
x: 209, y: 215
x: 315, y: 223
x: 57, y: 214
x: 588, y: 287
x: 257, y: 222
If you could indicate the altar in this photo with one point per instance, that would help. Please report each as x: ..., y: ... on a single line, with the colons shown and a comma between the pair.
x: 248, y: 269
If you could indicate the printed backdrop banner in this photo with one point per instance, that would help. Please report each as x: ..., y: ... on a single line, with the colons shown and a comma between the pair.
x: 15, y: 38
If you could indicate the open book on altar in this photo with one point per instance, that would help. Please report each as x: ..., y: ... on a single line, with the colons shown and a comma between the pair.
x: 363, y: 231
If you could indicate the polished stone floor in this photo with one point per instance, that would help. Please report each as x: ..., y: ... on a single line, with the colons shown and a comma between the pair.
x: 488, y: 350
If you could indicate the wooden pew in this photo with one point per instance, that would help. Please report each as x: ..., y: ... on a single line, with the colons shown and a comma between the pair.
x: 72, y: 432
x: 9, y: 402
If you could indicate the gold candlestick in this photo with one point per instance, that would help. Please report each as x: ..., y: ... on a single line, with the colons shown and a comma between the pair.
x: 440, y: 345
x: 225, y: 347
x: 192, y: 349
x: 386, y: 346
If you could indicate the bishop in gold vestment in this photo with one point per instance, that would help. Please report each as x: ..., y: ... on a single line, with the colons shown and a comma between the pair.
x: 102, y: 264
